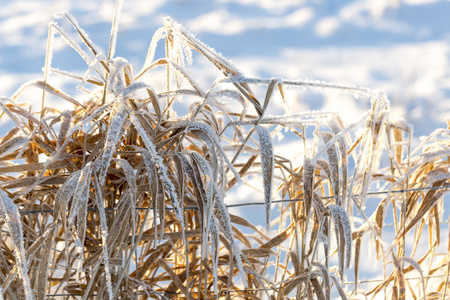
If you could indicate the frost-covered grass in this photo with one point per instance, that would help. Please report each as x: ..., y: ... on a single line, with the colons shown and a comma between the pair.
x: 129, y: 192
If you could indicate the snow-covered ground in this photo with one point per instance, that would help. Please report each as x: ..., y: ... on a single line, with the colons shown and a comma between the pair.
x: 400, y: 46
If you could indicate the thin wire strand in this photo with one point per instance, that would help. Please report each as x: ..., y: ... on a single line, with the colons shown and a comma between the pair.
x: 263, y: 203
x: 257, y: 204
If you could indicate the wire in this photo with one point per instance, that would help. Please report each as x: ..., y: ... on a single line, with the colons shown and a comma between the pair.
x: 263, y: 203
x: 141, y: 293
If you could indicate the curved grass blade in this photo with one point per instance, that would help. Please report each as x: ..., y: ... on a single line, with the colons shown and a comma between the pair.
x: 10, y: 214
x: 267, y: 165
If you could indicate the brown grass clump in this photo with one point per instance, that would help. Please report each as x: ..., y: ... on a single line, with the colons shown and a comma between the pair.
x: 120, y: 198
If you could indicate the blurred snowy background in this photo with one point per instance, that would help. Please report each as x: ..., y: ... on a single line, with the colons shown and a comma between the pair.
x: 400, y: 46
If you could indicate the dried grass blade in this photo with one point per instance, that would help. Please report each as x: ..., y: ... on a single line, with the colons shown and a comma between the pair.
x: 155, y: 103
x: 162, y: 169
x: 430, y: 199
x: 326, y: 279
x: 379, y: 217
x: 13, y: 144
x: 151, y: 260
x: 10, y: 214
x: 49, y: 89
x: 12, y: 116
x: 339, y: 288
x: 31, y: 251
x: 201, y: 135
x: 242, y: 171
x: 267, y: 165
x: 131, y: 179
x: 357, y: 251
x: 204, y: 170
x: 206, y: 129
x: 85, y: 39
x: 295, y: 262
x: 308, y: 185
x: 297, y: 280
x: 334, y: 166
x: 244, y: 222
x: 342, y: 227
x: 398, y: 137
x: 114, y: 29
x: 400, y: 277
x: 112, y: 139
x: 416, y: 266
x: 175, y: 278
x: 437, y: 227
x: 280, y: 238
x: 43, y: 266
x: 93, y: 272
x: 79, y: 209
x: 104, y: 234
x: 318, y: 289
x: 336, y: 126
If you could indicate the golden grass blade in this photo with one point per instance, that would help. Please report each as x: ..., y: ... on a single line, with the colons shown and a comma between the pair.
x: 343, y: 235
x: 13, y: 144
x: 295, y: 262
x: 318, y: 289
x: 416, y: 266
x: 296, y: 281
x: 400, y: 278
x: 280, y: 238
x: 334, y: 166
x: 326, y: 279
x: 44, y: 265
x: 104, y: 234
x: 10, y: 214
x: 358, y: 237
x: 31, y: 251
x: 242, y: 171
x: 162, y: 169
x: 176, y: 279
x: 428, y: 202
x: 308, y: 184
x: 339, y: 288
x: 208, y: 131
x: 79, y: 209
x: 379, y: 219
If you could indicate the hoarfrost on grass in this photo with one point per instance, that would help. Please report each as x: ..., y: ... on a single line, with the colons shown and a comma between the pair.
x: 267, y: 164
x: 11, y: 215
